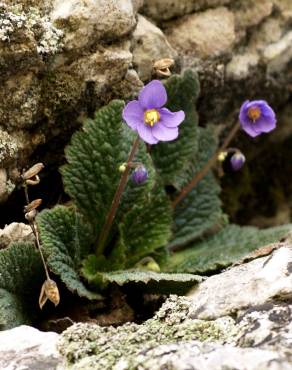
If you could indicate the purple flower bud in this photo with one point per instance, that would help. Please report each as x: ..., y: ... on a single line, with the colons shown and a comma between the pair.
x: 139, y: 175
x: 257, y: 117
x: 237, y: 161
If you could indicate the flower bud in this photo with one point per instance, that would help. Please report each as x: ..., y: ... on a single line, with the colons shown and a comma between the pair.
x: 123, y: 167
x: 139, y: 175
x: 222, y: 156
x: 50, y: 292
x: 237, y: 161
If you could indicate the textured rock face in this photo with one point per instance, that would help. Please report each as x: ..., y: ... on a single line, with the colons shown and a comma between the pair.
x: 207, y: 34
x: 167, y: 9
x: 149, y: 45
x: 257, y: 282
x: 15, y: 232
x: 85, y: 22
x: 27, y: 348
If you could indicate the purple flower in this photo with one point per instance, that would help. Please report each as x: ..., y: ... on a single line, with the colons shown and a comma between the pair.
x: 237, y: 161
x: 139, y: 175
x: 147, y: 115
x: 257, y: 117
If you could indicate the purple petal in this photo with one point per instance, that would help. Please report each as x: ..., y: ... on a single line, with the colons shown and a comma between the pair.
x: 243, y: 117
x: 145, y: 132
x: 163, y: 133
x: 153, y: 95
x: 133, y: 114
x: 264, y: 124
x: 171, y: 119
x: 249, y: 128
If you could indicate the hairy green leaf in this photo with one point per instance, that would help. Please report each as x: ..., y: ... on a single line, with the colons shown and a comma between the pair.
x: 172, y: 158
x: 94, y: 156
x: 226, y: 247
x: 66, y: 240
x: 22, y: 275
x: 12, y: 312
x: 151, y: 281
x: 200, y: 210
x: 146, y: 228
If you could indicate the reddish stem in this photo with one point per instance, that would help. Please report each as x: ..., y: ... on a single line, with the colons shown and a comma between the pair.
x: 198, y: 176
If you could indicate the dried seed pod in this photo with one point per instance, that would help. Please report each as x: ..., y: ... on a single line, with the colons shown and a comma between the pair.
x: 49, y: 292
x: 31, y: 215
x: 161, y: 67
x: 33, y: 181
x: 33, y: 171
x: 33, y: 205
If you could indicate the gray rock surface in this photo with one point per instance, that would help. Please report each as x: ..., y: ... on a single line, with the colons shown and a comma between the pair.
x: 26, y: 348
x: 149, y: 45
x: 244, y: 286
x: 85, y: 22
x: 167, y: 9
x: 207, y: 34
x: 16, y: 231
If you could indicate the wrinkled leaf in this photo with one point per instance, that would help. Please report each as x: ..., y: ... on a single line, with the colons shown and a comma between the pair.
x: 21, y: 278
x: 200, y: 210
x: 149, y: 280
x: 66, y: 240
x: 226, y: 247
x: 147, y: 227
x: 94, y: 156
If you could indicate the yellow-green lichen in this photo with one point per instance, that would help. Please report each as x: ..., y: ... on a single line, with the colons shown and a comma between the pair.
x: 95, y: 347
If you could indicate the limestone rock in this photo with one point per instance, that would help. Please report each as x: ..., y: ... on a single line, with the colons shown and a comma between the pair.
x: 259, y: 338
x: 27, y: 348
x: 249, y: 13
x: 15, y: 232
x: 206, y: 34
x: 241, y: 65
x: 268, y: 326
x: 285, y: 6
x: 149, y: 45
x: 104, y: 68
x: 85, y: 22
x: 184, y: 356
x: 279, y: 54
x: 244, y: 286
x: 21, y: 93
x: 167, y: 9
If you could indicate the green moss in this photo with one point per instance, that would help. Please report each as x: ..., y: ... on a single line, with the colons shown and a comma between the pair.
x: 94, y: 347
x: 60, y: 92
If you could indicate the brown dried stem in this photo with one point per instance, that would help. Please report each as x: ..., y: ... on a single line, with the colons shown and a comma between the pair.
x: 34, y: 229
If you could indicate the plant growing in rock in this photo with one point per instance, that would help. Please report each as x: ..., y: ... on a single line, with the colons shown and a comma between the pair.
x: 141, y: 214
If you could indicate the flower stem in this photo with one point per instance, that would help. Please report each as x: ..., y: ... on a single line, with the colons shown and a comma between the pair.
x: 100, y: 245
x: 199, y: 176
x: 35, y: 231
